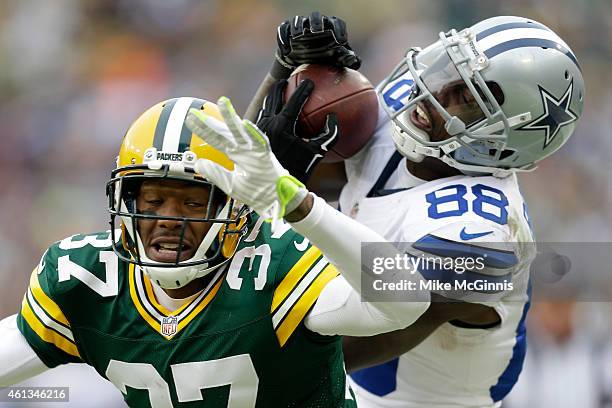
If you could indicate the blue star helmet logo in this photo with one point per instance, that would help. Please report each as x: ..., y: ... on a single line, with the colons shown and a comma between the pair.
x: 557, y: 114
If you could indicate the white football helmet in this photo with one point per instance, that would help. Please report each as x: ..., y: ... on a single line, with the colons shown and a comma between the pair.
x: 524, y: 87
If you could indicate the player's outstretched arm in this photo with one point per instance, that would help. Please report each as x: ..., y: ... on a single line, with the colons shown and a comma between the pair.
x: 363, y: 352
x: 340, y: 309
x: 309, y: 39
x: 18, y: 361
x: 259, y: 181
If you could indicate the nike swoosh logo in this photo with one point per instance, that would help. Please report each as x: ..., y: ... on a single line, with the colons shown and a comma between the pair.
x: 466, y: 236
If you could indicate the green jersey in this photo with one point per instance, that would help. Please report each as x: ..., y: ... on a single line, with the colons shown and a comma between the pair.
x: 239, y: 343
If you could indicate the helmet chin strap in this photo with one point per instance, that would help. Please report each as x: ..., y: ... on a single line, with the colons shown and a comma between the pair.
x: 177, y: 277
x: 407, y: 146
x: 184, y: 275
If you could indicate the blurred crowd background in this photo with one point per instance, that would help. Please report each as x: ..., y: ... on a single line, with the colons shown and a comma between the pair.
x: 75, y: 73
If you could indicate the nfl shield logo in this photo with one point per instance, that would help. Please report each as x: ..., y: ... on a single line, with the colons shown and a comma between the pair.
x: 168, y: 326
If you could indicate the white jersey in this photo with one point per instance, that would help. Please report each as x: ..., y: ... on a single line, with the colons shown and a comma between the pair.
x: 454, y: 366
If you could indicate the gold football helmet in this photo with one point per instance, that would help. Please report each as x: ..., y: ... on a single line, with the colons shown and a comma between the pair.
x: 158, y: 145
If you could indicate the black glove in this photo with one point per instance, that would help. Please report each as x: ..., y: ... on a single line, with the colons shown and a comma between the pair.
x: 299, y: 156
x: 316, y: 39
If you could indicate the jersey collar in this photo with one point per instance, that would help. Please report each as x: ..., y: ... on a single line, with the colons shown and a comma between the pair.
x: 165, y: 322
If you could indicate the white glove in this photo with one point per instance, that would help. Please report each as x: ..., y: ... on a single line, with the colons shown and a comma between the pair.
x: 258, y: 179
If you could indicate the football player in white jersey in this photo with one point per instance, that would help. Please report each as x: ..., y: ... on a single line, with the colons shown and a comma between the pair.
x: 457, y: 120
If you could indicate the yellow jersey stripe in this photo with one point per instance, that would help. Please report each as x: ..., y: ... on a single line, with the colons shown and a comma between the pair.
x: 294, y: 275
x: 46, y: 334
x: 303, y: 305
x: 279, y: 315
x: 45, y: 319
x: 45, y: 302
x: 139, y: 307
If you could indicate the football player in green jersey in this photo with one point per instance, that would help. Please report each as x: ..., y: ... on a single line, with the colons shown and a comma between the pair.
x: 192, y: 299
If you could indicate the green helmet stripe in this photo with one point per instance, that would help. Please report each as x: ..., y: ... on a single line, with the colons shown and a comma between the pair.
x: 160, y: 129
x: 185, y: 138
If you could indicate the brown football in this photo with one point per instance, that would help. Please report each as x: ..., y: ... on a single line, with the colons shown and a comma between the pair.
x: 342, y: 91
